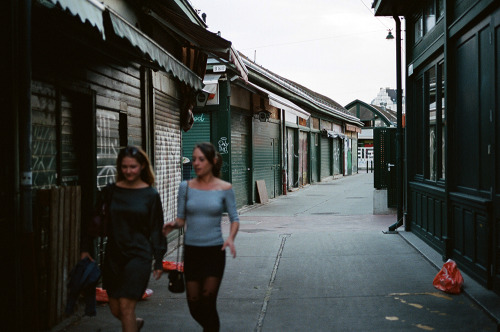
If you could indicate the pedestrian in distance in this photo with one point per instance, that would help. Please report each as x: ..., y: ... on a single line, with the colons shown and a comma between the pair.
x: 201, y: 203
x: 134, y: 237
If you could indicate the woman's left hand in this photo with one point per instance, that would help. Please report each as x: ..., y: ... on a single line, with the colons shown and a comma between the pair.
x: 230, y: 243
x: 157, y: 274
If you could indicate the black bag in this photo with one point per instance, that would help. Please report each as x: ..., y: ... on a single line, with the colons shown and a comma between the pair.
x: 176, y: 281
x: 176, y: 277
x: 98, y: 223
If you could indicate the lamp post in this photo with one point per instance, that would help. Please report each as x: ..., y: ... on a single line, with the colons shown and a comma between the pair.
x: 399, y: 129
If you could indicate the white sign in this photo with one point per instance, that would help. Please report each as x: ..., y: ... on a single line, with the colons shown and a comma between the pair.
x: 219, y: 69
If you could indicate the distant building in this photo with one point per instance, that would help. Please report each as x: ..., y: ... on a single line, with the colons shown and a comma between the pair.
x: 372, y: 116
x: 386, y: 97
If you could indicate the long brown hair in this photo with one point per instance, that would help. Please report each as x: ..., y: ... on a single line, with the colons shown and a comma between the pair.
x: 213, y: 157
x: 138, y: 154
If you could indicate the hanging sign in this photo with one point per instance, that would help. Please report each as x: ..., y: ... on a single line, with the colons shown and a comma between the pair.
x: 219, y: 69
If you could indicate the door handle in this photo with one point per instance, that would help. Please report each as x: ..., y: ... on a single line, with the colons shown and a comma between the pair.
x: 389, y: 166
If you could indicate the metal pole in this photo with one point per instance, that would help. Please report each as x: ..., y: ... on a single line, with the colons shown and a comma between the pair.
x: 399, y: 130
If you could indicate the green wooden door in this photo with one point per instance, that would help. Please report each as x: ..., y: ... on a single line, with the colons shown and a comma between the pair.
x: 315, y: 157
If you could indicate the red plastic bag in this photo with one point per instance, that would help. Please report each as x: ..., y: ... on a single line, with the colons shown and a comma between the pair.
x: 102, y: 296
x: 449, y: 279
x: 170, y: 266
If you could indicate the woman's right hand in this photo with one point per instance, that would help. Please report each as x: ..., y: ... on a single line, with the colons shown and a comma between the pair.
x: 168, y: 227
x: 85, y: 254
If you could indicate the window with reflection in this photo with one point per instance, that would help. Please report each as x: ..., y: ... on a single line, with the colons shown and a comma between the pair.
x: 419, y: 28
x: 443, y: 119
x: 431, y: 121
x: 419, y: 125
x: 426, y: 18
x: 429, y: 16
x: 440, y: 9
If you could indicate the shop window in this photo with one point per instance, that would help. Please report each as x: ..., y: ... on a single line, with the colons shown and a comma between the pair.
x: 419, y: 125
x: 430, y: 123
x: 442, y: 116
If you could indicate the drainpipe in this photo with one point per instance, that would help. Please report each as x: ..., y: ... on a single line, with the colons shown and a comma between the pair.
x: 399, y: 130
x: 25, y: 222
x: 284, y: 161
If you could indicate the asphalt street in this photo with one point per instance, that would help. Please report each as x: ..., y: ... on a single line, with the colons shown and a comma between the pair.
x: 317, y: 259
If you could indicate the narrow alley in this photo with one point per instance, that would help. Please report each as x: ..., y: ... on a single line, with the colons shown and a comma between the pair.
x: 317, y: 260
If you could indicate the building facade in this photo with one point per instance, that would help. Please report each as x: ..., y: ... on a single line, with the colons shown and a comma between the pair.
x: 453, y: 129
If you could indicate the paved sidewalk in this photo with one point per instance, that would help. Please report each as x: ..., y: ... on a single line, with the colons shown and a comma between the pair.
x: 317, y: 260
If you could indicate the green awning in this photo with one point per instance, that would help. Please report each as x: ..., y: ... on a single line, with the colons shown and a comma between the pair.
x: 155, y: 52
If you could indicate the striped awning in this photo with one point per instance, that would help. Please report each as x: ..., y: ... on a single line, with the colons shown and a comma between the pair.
x: 137, y: 38
x: 93, y: 12
x: 87, y: 10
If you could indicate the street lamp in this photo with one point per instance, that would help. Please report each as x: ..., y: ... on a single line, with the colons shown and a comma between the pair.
x: 389, y: 35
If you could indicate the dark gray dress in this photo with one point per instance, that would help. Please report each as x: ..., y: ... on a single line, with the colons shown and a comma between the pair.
x: 134, y: 238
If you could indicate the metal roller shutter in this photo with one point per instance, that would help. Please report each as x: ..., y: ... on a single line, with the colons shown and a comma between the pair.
x: 267, y: 157
x: 326, y: 157
x: 241, y: 156
x: 167, y: 151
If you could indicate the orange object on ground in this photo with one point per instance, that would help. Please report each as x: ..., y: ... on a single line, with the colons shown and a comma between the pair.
x: 170, y: 266
x: 102, y: 296
x: 449, y: 279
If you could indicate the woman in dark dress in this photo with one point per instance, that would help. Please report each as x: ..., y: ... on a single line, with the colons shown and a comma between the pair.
x: 134, y: 237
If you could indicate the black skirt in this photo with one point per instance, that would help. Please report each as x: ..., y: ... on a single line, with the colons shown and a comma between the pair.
x: 203, y: 262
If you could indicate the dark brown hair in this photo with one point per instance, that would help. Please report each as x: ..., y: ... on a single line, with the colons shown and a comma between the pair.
x: 213, y: 157
x: 138, y: 154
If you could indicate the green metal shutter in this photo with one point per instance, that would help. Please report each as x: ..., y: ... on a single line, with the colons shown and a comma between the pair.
x: 200, y: 132
x: 266, y: 156
x: 326, y: 157
x: 241, y: 162
x: 314, y: 157
x: 354, y: 155
x: 337, y: 156
x: 292, y: 158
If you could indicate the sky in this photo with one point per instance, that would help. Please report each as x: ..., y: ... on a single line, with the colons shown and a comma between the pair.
x: 334, y: 47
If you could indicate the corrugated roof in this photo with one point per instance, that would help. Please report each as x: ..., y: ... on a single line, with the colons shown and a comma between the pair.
x: 317, y: 99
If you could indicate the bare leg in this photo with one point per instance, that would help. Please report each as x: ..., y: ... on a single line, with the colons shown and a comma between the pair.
x: 114, y: 306
x: 127, y: 314
x: 124, y: 310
